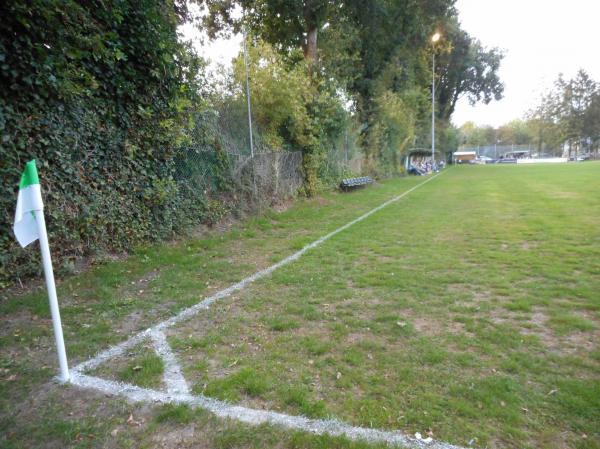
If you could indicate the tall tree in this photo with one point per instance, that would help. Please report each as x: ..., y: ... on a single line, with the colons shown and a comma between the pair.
x: 467, y: 68
x: 568, y: 115
x: 285, y: 24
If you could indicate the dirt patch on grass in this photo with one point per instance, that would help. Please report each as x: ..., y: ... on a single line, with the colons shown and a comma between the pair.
x: 320, y: 201
x: 16, y: 324
x: 354, y: 338
x: 432, y: 327
x: 566, y: 195
x: 132, y: 323
x: 283, y: 204
x: 537, y: 326
x: 468, y: 290
x: 143, y: 283
x: 476, y: 299
x: 580, y: 342
x: 178, y: 438
x: 241, y: 254
x: 573, y: 342
x: 88, y: 419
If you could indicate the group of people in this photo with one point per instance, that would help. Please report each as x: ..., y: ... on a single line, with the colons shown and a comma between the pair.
x: 424, y: 166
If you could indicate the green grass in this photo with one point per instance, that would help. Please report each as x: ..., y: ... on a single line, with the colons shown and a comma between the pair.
x: 468, y: 309
x: 139, y: 366
x: 457, y: 310
x: 179, y: 414
x: 245, y: 381
x: 144, y: 371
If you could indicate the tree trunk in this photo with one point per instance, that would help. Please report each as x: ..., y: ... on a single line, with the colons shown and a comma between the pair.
x: 310, y: 50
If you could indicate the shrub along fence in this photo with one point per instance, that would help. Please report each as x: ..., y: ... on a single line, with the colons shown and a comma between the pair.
x: 99, y: 205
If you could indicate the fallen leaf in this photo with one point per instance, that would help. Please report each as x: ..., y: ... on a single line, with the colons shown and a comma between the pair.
x: 133, y: 422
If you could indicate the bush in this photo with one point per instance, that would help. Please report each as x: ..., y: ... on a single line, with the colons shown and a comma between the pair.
x: 98, y: 93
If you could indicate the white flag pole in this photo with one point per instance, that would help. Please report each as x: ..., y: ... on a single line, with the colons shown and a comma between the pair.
x: 49, y: 275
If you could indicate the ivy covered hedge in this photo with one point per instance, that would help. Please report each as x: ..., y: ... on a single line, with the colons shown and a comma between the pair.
x: 98, y: 92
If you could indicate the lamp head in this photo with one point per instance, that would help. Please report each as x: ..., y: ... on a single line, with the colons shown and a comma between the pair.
x: 436, y: 37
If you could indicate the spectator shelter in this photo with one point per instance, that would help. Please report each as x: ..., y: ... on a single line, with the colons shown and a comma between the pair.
x: 463, y: 157
x: 419, y: 156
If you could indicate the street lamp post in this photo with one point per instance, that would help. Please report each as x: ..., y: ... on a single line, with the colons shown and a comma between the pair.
x: 434, y: 39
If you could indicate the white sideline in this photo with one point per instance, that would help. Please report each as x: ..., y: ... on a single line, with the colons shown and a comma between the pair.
x: 177, y: 389
x: 257, y: 417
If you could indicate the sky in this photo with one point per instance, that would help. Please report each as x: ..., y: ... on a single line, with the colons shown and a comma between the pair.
x: 216, y: 52
x: 541, y: 38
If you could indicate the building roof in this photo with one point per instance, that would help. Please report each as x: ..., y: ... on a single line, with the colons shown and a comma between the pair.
x: 464, y: 153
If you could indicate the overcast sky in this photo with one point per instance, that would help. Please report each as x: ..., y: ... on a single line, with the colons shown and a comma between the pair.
x: 541, y: 38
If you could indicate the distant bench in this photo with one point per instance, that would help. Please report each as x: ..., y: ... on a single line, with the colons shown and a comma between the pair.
x: 355, y: 183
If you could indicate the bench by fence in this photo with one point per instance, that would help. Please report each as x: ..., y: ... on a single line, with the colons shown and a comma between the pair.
x: 354, y: 183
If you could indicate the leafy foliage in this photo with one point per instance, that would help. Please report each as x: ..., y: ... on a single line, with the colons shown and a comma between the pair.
x: 569, y: 114
x: 466, y: 68
x: 96, y: 92
x: 293, y: 108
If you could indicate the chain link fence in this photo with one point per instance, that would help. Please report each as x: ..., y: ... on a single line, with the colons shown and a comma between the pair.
x: 497, y: 151
x: 221, y: 160
x: 264, y: 178
x: 220, y: 163
x: 344, y: 158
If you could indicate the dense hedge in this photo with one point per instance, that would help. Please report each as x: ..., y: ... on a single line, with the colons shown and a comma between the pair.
x: 97, y: 92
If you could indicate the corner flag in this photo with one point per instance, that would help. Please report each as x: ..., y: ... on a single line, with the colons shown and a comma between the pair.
x: 30, y: 226
x: 29, y: 202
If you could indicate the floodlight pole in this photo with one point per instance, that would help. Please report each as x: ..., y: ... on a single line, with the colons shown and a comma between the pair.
x: 434, y: 39
x: 432, y: 109
x: 248, y: 97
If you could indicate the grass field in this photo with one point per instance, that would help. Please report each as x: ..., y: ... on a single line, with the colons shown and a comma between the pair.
x: 469, y: 311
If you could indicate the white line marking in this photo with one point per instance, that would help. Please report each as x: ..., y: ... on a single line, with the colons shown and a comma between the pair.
x: 172, y: 375
x: 176, y: 392
x: 257, y: 417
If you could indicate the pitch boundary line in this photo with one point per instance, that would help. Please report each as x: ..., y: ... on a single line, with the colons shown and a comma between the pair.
x: 255, y: 417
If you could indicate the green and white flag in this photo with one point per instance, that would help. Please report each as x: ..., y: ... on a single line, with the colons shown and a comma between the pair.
x: 29, y: 202
x: 29, y: 226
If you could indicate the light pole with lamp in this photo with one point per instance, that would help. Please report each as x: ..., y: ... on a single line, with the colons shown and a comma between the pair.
x: 436, y: 37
